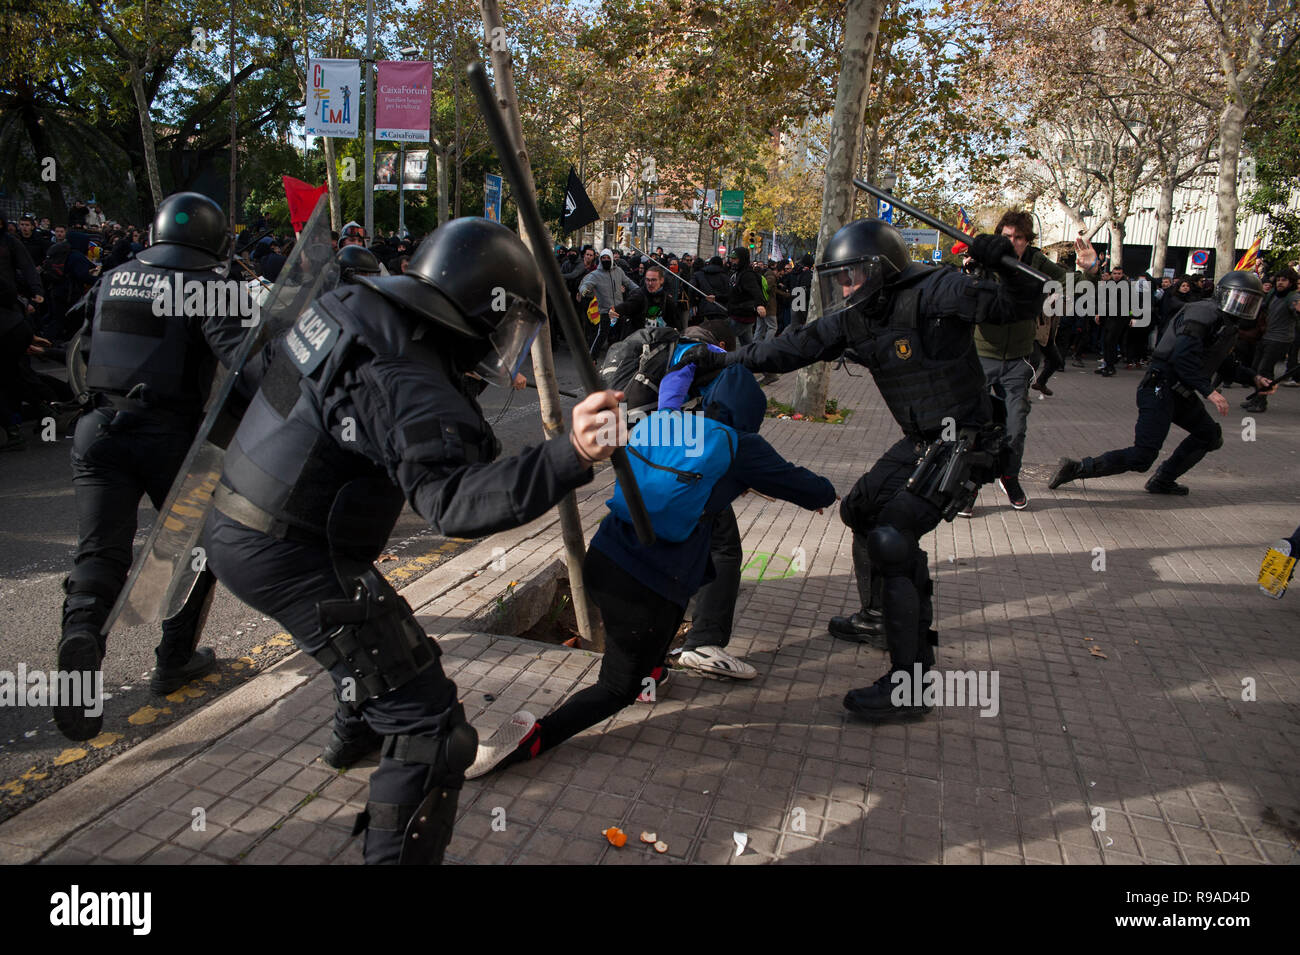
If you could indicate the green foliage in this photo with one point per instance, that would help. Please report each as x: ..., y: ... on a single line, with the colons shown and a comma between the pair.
x: 1271, y: 137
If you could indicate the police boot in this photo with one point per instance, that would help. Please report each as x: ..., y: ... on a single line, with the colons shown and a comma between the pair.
x: 896, y: 696
x: 351, y: 740
x: 77, y: 697
x: 179, y: 657
x: 865, y: 626
x: 418, y: 832
x: 1160, y: 485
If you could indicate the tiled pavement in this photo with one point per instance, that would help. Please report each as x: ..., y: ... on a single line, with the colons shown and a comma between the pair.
x: 1145, y: 753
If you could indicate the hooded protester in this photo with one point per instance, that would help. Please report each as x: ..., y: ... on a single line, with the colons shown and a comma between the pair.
x: 712, y: 279
x: 607, y: 283
x: 745, y: 305
x: 643, y: 591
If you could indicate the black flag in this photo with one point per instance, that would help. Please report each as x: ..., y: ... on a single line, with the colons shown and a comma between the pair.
x: 578, y: 210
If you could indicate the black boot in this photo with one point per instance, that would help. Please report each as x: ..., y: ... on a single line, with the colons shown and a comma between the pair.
x: 340, y: 753
x: 865, y: 626
x: 875, y: 703
x: 81, y: 651
x: 169, y: 679
x: 1159, y: 485
x: 1067, y: 470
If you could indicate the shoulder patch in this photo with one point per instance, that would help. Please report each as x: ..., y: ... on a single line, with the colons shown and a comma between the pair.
x: 311, y: 339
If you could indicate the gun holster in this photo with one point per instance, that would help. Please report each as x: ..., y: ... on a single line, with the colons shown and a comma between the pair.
x: 950, y: 473
x: 375, y: 636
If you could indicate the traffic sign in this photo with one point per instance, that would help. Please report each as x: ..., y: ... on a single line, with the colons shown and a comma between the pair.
x: 1200, y: 257
x: 715, y: 223
x: 886, y: 211
x: 937, y: 255
x: 722, y: 250
x: 733, y: 205
x: 920, y: 236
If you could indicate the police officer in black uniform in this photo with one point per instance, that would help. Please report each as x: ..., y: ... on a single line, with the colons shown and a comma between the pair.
x: 356, y: 260
x: 366, y: 403
x: 149, y: 376
x: 1196, y: 346
x: 912, y: 326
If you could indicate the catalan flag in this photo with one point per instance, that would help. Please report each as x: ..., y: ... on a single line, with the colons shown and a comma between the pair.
x: 593, y: 311
x: 959, y: 248
x: 1252, y: 255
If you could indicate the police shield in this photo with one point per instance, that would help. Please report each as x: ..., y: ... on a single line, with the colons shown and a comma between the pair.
x: 166, y: 568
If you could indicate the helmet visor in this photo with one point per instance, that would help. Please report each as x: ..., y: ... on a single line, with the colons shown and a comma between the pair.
x: 1239, y: 302
x: 844, y: 286
x: 510, y: 341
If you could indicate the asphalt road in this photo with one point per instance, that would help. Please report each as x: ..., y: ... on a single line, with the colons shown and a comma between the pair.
x: 38, y: 536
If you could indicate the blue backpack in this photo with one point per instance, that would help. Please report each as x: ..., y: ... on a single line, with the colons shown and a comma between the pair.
x: 677, y: 458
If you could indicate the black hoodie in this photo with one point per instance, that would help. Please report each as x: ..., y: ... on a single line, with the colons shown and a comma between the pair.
x: 746, y: 290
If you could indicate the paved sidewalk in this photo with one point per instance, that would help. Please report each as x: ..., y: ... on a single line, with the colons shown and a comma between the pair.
x: 1122, y: 627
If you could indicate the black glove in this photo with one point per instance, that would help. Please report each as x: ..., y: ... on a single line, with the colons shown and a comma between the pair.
x: 989, y: 249
x: 703, y: 358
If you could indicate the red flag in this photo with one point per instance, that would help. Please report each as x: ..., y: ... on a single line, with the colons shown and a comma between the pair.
x: 302, y: 197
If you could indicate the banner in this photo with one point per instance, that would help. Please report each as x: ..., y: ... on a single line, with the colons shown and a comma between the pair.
x: 402, y: 105
x: 492, y: 197
x: 334, y: 86
x: 415, y: 171
x: 733, y: 205
x: 578, y: 210
x: 301, y: 197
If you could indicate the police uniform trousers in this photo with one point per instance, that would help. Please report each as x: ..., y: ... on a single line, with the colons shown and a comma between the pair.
x: 286, y: 580
x: 1158, y: 408
x: 117, y: 458
x: 881, y: 499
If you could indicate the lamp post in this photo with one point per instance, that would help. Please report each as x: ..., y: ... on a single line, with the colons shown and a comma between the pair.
x: 369, y: 61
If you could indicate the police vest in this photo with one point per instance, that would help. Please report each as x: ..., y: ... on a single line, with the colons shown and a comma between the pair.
x: 283, y: 457
x: 922, y: 390
x: 130, y: 345
x: 1201, y: 320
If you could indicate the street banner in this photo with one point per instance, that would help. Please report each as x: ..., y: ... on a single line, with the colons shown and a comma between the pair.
x: 492, y: 197
x: 386, y: 171
x: 578, y: 209
x: 301, y: 197
x: 402, y: 101
x: 415, y: 174
x: 334, y: 86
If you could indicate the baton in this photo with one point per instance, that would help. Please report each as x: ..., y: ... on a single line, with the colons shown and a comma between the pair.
x: 1287, y: 375
x: 550, y: 268
x: 1010, y: 261
x: 669, y: 271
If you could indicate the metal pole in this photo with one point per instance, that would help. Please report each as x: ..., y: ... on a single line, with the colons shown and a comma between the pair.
x: 369, y: 63
x: 234, y: 124
x: 401, y: 189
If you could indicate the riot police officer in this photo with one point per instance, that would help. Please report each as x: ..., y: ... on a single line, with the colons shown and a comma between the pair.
x: 1196, y: 345
x: 366, y: 403
x: 149, y: 371
x: 356, y: 260
x: 912, y: 326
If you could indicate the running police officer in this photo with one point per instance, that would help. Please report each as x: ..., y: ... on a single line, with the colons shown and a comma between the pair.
x: 366, y: 403
x: 1196, y: 346
x: 912, y: 326
x: 149, y: 375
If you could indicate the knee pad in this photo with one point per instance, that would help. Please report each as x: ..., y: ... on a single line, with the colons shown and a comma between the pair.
x: 889, y: 548
x: 425, y: 826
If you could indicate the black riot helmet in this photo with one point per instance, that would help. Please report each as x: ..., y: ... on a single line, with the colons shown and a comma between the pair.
x: 477, y: 279
x: 1238, y: 294
x: 858, y: 262
x: 356, y: 260
x: 188, y: 232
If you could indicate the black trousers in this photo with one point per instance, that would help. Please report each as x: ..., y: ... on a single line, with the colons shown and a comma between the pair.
x: 715, y: 602
x: 286, y: 580
x: 1158, y: 409
x: 881, y: 499
x: 1267, y: 355
x: 117, y: 458
x: 1113, y: 329
x: 639, y: 628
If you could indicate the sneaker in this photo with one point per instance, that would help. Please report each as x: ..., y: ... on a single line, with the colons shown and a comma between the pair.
x: 866, y: 626
x: 1067, y: 470
x: 716, y: 662
x: 875, y: 704
x: 968, y: 512
x: 164, y: 681
x: 517, y: 737
x: 1158, y: 485
x: 80, y: 652
x: 660, y: 675
x: 1010, y: 486
x: 1077, y: 363
x: 340, y: 753
x: 1291, y: 384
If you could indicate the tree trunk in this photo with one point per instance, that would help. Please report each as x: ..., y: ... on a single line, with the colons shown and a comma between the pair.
x: 443, y: 204
x: 861, y: 23
x: 146, y: 135
x: 332, y: 178
x: 1164, y: 219
x: 41, y: 149
x: 548, y: 392
x: 1231, y: 125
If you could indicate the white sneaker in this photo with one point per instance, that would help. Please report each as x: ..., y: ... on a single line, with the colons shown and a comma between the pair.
x: 501, y: 743
x: 715, y: 661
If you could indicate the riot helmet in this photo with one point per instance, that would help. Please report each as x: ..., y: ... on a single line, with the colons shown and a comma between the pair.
x: 188, y: 232
x: 354, y: 233
x: 1239, y: 294
x: 356, y: 260
x: 477, y: 279
x: 858, y: 262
